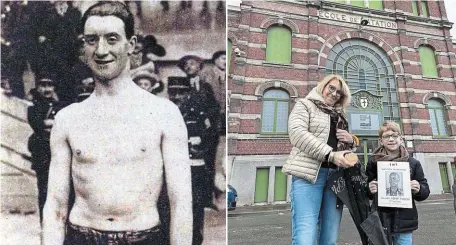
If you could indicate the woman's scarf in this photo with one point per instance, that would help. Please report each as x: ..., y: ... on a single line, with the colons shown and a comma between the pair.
x: 380, y: 154
x: 342, y: 122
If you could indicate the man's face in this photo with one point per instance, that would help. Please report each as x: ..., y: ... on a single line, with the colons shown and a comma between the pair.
x: 191, y: 67
x: 220, y: 62
x: 394, y: 179
x: 145, y: 84
x: 106, y: 47
x: 45, y: 89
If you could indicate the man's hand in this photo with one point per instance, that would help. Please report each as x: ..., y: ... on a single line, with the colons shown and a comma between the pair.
x: 373, y: 186
x: 344, y: 136
x: 339, y: 159
x: 196, y: 140
x: 415, y: 186
x: 49, y: 122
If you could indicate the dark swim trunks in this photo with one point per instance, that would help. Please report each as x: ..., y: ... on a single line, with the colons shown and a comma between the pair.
x: 78, y: 235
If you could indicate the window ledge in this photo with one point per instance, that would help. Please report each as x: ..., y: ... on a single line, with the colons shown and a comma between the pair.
x: 267, y: 63
x: 432, y: 78
x: 442, y: 137
x: 274, y: 136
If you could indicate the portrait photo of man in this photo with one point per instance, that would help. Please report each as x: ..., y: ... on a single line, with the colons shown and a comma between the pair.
x: 394, y: 184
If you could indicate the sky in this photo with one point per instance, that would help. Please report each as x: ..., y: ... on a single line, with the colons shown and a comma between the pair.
x: 450, y: 6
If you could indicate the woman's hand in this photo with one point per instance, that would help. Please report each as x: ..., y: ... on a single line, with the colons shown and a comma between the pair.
x: 339, y: 159
x: 373, y: 186
x: 344, y: 136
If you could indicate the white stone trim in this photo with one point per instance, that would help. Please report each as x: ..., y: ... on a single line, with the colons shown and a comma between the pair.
x: 423, y: 91
x: 245, y: 116
x: 256, y: 45
x: 300, y: 50
x: 244, y: 97
x: 255, y: 29
x: 422, y: 121
x: 292, y: 82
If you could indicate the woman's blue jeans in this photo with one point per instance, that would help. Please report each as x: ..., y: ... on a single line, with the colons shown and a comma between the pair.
x: 315, y: 218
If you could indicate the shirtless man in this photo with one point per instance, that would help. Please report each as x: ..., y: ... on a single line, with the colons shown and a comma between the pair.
x: 115, y: 146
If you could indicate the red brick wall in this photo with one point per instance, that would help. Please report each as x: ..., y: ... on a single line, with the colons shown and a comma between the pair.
x: 265, y: 145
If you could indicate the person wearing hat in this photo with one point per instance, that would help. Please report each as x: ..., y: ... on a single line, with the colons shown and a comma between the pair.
x: 193, y: 65
x: 142, y: 58
x: 41, y: 119
x: 216, y: 76
x: 199, y: 128
x: 148, y: 81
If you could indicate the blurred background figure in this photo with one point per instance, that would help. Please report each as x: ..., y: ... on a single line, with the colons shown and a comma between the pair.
x: 200, y: 130
x: 6, y: 86
x: 148, y: 81
x: 193, y: 65
x: 41, y: 119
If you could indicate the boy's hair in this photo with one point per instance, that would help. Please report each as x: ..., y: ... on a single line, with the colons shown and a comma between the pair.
x: 116, y: 9
x: 389, y: 125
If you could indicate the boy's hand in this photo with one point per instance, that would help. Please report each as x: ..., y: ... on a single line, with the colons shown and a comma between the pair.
x: 373, y: 186
x: 415, y: 186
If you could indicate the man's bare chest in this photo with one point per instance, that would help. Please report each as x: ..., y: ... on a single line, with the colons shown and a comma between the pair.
x: 116, y: 138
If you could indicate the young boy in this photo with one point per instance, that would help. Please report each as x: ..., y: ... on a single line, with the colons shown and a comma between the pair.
x: 400, y: 221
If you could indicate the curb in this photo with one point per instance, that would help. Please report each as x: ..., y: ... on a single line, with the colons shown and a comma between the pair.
x: 279, y: 209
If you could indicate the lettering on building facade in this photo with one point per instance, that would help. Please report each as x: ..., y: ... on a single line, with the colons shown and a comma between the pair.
x: 356, y: 19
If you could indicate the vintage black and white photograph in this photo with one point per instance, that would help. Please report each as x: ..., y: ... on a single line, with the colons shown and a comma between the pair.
x: 394, y: 184
x: 113, y: 122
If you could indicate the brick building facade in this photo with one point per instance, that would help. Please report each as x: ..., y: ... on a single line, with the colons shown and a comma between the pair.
x: 396, y: 56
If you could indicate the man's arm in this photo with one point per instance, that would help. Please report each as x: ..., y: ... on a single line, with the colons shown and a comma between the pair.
x: 178, y: 176
x: 56, y: 207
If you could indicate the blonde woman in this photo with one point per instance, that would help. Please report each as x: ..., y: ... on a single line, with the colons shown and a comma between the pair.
x: 318, y: 132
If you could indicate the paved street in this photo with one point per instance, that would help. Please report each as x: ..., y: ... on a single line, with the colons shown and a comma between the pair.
x: 437, y: 227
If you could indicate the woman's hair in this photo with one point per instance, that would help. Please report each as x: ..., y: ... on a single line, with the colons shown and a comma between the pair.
x: 344, y: 101
x: 389, y: 125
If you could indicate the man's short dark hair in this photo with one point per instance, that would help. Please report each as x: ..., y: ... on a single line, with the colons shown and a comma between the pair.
x: 217, y: 54
x: 116, y: 9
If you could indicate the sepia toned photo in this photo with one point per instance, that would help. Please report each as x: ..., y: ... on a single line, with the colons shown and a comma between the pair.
x: 113, y: 122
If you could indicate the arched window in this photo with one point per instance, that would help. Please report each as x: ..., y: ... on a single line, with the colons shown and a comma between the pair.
x: 424, y: 9
x: 415, y: 8
x: 437, y: 116
x: 230, y: 46
x: 366, y: 67
x: 373, y: 4
x: 278, y: 47
x: 274, y: 118
x: 376, y: 4
x: 428, y: 63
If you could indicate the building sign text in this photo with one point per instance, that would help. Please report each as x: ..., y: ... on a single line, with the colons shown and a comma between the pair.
x: 356, y: 19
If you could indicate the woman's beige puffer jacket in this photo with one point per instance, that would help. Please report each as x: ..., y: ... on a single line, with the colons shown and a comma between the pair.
x: 308, y: 129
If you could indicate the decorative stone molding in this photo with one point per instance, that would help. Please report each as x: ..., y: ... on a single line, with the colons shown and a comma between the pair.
x: 365, y: 35
x: 281, y: 21
x: 259, y: 91
x: 438, y: 95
